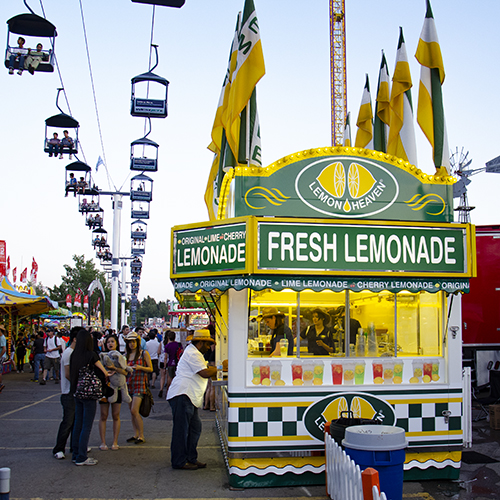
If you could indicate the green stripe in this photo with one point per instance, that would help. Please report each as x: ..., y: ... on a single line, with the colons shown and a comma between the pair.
x: 438, y: 117
x: 233, y: 449
x: 414, y: 444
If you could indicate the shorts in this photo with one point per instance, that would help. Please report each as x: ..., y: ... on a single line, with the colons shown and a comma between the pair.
x: 155, y: 366
x: 104, y: 401
x: 171, y: 371
x: 162, y: 365
x: 52, y: 363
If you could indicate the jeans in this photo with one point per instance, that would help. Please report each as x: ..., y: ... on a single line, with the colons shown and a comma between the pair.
x: 39, y: 359
x: 66, y: 426
x: 13, y: 58
x: 84, y: 419
x: 54, y: 149
x: 186, y: 431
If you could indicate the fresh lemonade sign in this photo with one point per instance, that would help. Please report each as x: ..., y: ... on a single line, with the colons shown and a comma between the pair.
x: 375, y: 249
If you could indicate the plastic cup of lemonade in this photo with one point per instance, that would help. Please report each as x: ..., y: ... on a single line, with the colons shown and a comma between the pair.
x: 388, y: 367
x: 265, y: 373
x: 418, y: 371
x: 359, y: 372
x: 319, y: 370
x: 256, y: 373
x: 349, y: 372
x: 378, y: 372
x: 337, y: 372
x: 427, y: 371
x: 297, y: 372
x: 284, y: 347
x: 308, y: 372
x: 398, y: 371
x: 276, y: 373
x: 435, y: 370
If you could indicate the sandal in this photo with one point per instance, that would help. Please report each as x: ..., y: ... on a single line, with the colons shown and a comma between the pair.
x: 130, y: 440
x: 115, y: 447
x: 103, y: 447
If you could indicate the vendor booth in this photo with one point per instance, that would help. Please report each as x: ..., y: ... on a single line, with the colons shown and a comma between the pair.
x: 335, y: 277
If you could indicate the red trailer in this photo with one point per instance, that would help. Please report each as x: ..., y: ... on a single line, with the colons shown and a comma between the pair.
x: 481, y: 308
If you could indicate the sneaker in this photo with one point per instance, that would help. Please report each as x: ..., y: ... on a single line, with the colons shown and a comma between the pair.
x: 11, y: 71
x: 59, y: 455
x: 31, y: 69
x: 61, y: 156
x: 70, y: 156
x: 50, y: 156
x: 89, y: 461
x: 20, y: 72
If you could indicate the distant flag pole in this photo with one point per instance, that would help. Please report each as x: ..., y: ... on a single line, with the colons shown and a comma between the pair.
x: 401, y: 141
x: 99, y: 162
x: 430, y: 110
x: 364, y: 135
x: 382, y: 109
x: 347, y: 131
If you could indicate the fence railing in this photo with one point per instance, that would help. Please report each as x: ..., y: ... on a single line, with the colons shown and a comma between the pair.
x: 343, y: 477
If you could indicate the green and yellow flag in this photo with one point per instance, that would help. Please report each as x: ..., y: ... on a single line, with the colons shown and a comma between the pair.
x: 382, y: 109
x: 430, y: 110
x: 364, y: 135
x: 347, y: 131
x: 401, y: 141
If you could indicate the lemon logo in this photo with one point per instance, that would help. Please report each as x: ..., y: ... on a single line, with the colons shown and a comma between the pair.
x: 360, y: 180
x: 362, y: 405
x: 332, y: 178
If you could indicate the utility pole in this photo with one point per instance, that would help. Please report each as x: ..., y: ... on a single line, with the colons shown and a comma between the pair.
x: 115, y: 270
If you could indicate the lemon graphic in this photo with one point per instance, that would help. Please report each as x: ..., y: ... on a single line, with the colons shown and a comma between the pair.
x: 359, y: 180
x: 332, y: 411
x: 332, y: 179
x: 361, y: 408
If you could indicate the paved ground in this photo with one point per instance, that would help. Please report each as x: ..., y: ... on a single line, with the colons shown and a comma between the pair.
x: 30, y: 416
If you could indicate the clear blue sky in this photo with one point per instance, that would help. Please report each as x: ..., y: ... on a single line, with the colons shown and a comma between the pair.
x: 293, y: 99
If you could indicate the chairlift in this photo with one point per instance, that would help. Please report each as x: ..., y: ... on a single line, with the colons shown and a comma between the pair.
x: 62, y: 128
x: 30, y: 58
x: 78, y: 177
x: 141, y: 188
x: 100, y: 238
x: 147, y: 107
x: 104, y: 254
x: 138, y: 247
x: 139, y: 230
x: 140, y: 210
x: 165, y: 3
x: 89, y: 201
x: 95, y: 220
x: 144, y: 154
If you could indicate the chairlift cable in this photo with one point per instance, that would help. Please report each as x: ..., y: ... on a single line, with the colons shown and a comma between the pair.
x: 150, y: 55
x: 110, y: 181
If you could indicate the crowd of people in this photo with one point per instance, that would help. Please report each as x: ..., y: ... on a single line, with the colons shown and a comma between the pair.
x: 75, y: 359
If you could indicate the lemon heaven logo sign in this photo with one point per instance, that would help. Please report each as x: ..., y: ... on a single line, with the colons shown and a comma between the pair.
x: 345, y: 188
x: 360, y: 404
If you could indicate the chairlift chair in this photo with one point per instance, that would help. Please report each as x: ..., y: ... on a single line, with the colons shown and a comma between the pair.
x: 139, y: 230
x: 99, y: 238
x: 31, y: 25
x: 141, y: 188
x: 148, y: 160
x: 81, y: 171
x: 165, y: 3
x: 140, y: 210
x: 138, y: 247
x: 57, y: 124
x: 89, y: 201
x: 95, y: 220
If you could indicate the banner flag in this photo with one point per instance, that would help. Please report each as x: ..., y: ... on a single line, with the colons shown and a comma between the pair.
x: 14, y: 275
x: 68, y: 300
x: 347, y: 131
x: 86, y: 302
x: 401, y: 141
x: 24, y: 276
x: 34, y: 271
x: 78, y: 300
x: 382, y: 109
x: 364, y: 135
x: 430, y: 109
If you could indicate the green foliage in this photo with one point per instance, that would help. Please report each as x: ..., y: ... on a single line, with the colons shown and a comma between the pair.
x: 79, y: 277
x: 149, y: 308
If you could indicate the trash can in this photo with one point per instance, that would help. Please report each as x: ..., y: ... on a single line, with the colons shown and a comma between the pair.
x: 347, y: 419
x: 383, y: 448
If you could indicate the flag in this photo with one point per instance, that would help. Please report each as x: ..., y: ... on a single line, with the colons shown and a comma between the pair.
x: 34, y: 271
x: 382, y: 109
x: 218, y: 135
x: 364, y: 135
x: 78, y: 300
x: 86, y: 302
x: 347, y: 131
x: 24, y: 276
x: 401, y: 141
x: 68, y: 300
x: 430, y: 110
x: 14, y: 275
x: 7, y: 270
x: 99, y: 162
x: 248, y: 71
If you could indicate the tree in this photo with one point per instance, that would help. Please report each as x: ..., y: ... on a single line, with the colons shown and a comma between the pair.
x: 79, y: 277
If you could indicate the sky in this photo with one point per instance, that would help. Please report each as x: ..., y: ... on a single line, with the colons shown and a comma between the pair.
x: 194, y: 41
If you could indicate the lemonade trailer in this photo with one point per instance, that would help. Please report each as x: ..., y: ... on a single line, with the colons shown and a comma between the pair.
x: 335, y: 229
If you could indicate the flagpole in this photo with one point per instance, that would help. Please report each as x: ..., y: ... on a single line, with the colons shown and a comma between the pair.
x: 115, y: 270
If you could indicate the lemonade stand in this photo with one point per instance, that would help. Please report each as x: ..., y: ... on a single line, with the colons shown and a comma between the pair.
x: 369, y: 241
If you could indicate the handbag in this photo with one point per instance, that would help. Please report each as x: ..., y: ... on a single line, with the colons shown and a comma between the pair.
x: 89, y: 384
x: 146, y: 403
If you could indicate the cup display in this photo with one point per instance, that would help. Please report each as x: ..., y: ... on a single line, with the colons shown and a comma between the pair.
x: 418, y: 371
x: 435, y: 370
x: 349, y: 373
x: 378, y: 372
x: 297, y: 372
x: 308, y: 372
x: 319, y: 370
x: 427, y: 373
x: 265, y: 373
x: 256, y: 373
x: 276, y: 373
x: 337, y: 372
x: 398, y: 371
x: 359, y: 372
x: 388, y: 367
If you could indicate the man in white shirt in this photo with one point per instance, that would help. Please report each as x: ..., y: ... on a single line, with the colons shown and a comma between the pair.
x: 53, y: 348
x: 67, y: 399
x: 121, y: 339
x: 185, y: 396
x: 152, y: 346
